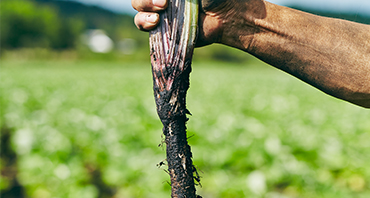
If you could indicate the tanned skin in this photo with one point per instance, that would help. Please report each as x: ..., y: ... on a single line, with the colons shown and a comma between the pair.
x: 330, y: 54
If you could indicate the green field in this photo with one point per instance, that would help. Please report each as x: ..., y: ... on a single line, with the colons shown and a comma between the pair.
x: 80, y: 129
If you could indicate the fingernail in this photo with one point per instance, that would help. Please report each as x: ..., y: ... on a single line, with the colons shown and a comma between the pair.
x: 159, y: 3
x: 152, y: 18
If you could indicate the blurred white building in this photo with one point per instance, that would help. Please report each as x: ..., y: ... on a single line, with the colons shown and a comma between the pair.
x: 98, y: 41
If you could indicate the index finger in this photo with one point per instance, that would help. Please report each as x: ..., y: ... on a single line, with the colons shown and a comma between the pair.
x: 149, y: 5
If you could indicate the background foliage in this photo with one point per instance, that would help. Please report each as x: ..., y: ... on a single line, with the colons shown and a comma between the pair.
x: 26, y: 24
x: 91, y: 130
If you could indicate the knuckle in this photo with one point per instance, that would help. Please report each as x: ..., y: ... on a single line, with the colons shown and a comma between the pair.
x: 140, y: 22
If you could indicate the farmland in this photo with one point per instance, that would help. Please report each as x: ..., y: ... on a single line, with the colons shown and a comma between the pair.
x: 90, y: 129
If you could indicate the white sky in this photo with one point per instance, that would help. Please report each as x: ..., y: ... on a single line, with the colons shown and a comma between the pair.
x: 352, y: 6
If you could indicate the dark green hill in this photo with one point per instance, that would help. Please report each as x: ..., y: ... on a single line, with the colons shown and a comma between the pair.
x: 93, y: 16
x: 346, y: 16
x: 116, y: 25
x: 58, y: 24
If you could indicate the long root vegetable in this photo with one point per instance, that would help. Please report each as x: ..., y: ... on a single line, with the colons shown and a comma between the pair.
x: 171, y: 50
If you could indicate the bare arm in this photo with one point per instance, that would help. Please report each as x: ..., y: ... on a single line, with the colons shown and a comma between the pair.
x: 330, y: 54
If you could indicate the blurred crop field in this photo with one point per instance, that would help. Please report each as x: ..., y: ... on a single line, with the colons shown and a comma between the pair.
x: 89, y: 129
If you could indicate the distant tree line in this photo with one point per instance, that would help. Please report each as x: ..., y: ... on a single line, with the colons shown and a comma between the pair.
x: 27, y: 24
x: 58, y: 25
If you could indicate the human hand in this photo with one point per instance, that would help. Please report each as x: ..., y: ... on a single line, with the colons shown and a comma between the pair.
x: 218, y: 19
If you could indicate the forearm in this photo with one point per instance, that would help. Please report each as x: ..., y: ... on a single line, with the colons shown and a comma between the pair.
x: 332, y: 55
